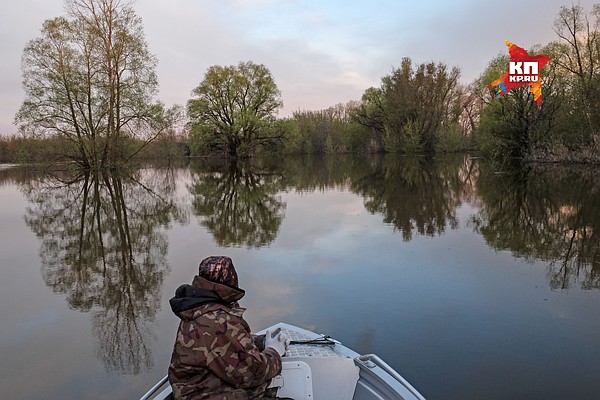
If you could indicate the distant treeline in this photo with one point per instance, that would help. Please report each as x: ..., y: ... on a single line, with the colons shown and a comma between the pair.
x: 339, y: 129
x: 70, y: 114
x: 28, y: 149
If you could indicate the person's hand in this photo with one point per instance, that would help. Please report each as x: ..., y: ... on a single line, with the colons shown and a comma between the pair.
x: 278, y: 341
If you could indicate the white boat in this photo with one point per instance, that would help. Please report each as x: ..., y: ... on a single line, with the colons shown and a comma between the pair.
x: 316, y: 367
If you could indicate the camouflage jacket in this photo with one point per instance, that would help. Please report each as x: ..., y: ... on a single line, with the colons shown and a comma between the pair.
x: 215, y: 356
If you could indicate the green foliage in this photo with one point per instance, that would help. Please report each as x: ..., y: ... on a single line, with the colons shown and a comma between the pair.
x: 296, y: 140
x: 23, y: 149
x: 90, y: 79
x: 412, y: 106
x: 57, y: 148
x: 371, y: 114
x: 233, y: 110
x: 452, y: 140
x: 565, y: 126
x: 408, y: 141
x: 512, y: 126
x: 332, y: 130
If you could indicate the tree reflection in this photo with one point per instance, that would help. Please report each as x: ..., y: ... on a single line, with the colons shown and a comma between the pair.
x: 103, y: 244
x: 238, y: 202
x: 549, y: 213
x: 416, y: 194
x: 240, y: 206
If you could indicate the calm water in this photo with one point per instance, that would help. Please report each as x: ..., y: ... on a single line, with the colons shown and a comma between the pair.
x: 473, y: 284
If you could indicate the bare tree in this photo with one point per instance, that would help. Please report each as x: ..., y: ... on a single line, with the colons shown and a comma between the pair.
x: 579, y: 34
x: 90, y: 78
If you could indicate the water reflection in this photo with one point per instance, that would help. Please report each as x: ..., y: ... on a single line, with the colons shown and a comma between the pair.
x: 239, y: 202
x: 104, y: 246
x: 416, y: 195
x: 550, y: 213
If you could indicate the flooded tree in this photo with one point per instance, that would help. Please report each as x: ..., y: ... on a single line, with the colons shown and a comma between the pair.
x: 332, y: 131
x: 565, y: 126
x: 413, y: 106
x: 234, y: 109
x: 91, y: 79
x: 513, y: 126
x: 579, y: 36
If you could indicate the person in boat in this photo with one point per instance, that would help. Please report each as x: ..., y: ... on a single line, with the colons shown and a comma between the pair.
x: 215, y: 356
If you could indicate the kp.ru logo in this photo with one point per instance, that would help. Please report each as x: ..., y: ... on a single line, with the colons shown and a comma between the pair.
x: 523, y: 69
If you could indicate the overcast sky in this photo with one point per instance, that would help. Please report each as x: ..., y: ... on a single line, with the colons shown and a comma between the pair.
x: 320, y: 52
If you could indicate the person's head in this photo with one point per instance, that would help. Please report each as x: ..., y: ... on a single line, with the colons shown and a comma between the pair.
x: 218, y: 269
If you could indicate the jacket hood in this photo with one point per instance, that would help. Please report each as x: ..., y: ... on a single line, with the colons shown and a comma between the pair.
x: 203, y: 292
x: 227, y: 293
x: 188, y: 297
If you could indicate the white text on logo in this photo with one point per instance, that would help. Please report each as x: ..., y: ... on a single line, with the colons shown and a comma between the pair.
x: 523, y: 71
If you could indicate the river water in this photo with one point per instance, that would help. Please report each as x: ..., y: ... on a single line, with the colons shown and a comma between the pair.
x: 473, y: 282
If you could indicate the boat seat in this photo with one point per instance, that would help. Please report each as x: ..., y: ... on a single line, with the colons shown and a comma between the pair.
x: 317, y: 379
x: 295, y: 381
x: 313, y: 371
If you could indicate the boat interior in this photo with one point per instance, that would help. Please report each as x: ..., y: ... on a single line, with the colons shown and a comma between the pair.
x: 319, y: 368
